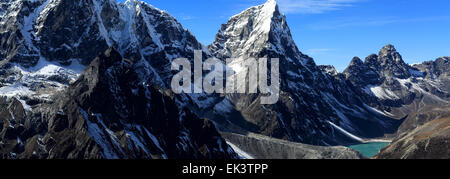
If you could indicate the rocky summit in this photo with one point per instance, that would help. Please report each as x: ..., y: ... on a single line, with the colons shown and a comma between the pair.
x: 91, y: 79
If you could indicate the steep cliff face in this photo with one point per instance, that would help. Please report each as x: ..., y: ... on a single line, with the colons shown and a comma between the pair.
x: 361, y: 74
x: 109, y: 113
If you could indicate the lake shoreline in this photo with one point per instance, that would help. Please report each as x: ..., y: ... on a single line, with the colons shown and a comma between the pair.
x: 377, y: 140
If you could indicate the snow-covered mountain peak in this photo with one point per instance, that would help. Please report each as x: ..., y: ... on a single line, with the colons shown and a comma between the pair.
x: 271, y: 2
x: 268, y: 8
x: 254, y: 32
x: 137, y: 4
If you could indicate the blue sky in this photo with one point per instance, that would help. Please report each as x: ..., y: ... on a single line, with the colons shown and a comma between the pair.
x: 334, y: 31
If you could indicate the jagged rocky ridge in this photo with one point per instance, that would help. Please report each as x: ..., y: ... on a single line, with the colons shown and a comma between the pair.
x: 400, y: 90
x: 108, y: 113
x: 46, y: 44
x: 394, y: 83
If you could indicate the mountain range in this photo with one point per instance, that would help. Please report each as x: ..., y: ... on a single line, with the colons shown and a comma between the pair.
x: 90, y: 79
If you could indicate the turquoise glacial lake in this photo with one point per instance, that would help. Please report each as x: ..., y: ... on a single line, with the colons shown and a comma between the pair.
x: 370, y: 149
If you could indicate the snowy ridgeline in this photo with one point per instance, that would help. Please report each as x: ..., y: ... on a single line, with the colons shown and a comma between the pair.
x: 242, y: 154
x: 412, y: 84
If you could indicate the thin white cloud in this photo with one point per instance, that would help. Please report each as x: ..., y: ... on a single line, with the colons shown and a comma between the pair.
x: 317, y: 51
x: 313, y: 6
x: 185, y: 18
x: 371, y: 22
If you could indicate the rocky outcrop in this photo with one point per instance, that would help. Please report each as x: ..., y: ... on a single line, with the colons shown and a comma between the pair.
x: 391, y: 83
x: 361, y: 74
x: 437, y: 73
x: 430, y: 141
x: 263, y: 147
x: 390, y: 64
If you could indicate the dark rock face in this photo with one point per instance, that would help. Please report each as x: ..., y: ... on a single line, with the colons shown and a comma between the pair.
x: 361, y: 74
x: 435, y: 69
x: 14, y: 43
x: 437, y: 72
x: 71, y: 30
x: 430, y: 141
x: 391, y: 64
x: 329, y: 70
x: 108, y: 113
x: 12, y: 120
